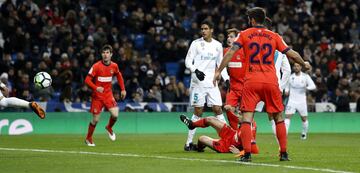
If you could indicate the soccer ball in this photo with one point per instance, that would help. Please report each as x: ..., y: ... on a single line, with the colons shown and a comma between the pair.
x: 42, y: 80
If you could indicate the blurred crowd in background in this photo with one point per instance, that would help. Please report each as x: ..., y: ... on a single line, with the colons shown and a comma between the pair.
x: 150, y: 40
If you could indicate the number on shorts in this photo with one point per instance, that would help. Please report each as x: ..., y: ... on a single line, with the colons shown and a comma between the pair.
x: 196, y: 97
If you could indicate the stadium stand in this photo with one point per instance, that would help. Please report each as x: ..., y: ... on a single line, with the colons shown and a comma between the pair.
x: 151, y: 38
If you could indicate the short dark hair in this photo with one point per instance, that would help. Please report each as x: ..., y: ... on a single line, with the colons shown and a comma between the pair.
x: 208, y: 23
x: 258, y: 14
x: 107, y: 47
x: 232, y: 30
x: 268, y: 23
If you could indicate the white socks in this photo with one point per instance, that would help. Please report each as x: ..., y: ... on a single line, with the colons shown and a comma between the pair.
x: 14, y: 102
x: 191, y: 133
x: 273, y: 126
x: 221, y: 118
x: 287, y: 124
x: 305, y: 127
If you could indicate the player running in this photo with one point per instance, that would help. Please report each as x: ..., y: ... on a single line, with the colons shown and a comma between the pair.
x: 99, y: 79
x: 260, y: 82
x: 298, y: 84
x: 229, y: 138
x: 203, y: 57
x: 18, y: 103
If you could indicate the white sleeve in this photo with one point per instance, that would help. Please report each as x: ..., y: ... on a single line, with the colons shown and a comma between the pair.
x: 224, y: 73
x: 286, y: 72
x: 310, y: 85
x: 190, y: 57
x: 2, y: 85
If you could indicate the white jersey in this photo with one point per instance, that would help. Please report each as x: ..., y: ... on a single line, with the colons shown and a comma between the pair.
x: 282, y: 64
x: 206, y: 57
x: 298, y: 84
x: 2, y: 85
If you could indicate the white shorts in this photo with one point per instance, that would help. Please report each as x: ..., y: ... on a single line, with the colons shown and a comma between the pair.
x: 259, y: 107
x: 199, y: 95
x: 292, y: 107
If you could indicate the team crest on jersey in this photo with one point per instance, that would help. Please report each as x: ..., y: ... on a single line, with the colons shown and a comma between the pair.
x: 202, y: 44
x: 237, y: 57
x: 111, y: 71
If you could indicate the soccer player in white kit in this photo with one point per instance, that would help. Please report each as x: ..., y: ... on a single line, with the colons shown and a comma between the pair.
x: 298, y: 84
x: 204, y: 56
x: 18, y: 103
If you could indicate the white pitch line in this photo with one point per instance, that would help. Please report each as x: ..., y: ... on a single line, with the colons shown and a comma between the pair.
x: 173, y: 158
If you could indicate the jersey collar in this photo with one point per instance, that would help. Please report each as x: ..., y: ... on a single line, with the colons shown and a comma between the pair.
x: 105, y: 64
x: 258, y: 26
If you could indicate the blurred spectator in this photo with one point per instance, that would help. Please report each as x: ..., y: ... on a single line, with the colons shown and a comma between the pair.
x: 341, y: 101
x: 83, y: 94
x: 169, y: 94
x: 63, y: 38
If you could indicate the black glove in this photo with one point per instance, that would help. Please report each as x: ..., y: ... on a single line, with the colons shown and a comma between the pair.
x: 227, y: 85
x: 200, y: 75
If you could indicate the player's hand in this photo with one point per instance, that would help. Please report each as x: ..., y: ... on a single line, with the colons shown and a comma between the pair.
x: 123, y: 95
x: 307, y: 66
x: 200, y: 75
x: 216, y: 77
x: 100, y: 89
x: 234, y: 150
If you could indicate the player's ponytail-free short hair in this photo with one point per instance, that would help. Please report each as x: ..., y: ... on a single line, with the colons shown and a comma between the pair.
x: 233, y: 30
x: 208, y: 23
x: 258, y: 14
x: 107, y: 47
x: 268, y: 23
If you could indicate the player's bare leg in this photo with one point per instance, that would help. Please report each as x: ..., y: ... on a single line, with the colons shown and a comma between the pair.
x: 281, y: 135
x: 91, y: 129
x: 218, y: 113
x: 246, y: 135
x: 205, y: 141
x: 305, y: 127
x: 189, y: 146
x: 114, y: 113
x: 20, y: 103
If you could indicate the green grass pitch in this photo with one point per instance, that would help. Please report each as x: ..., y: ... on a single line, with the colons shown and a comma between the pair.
x: 164, y: 153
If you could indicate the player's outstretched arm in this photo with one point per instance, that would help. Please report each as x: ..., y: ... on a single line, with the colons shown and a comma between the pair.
x: 297, y: 58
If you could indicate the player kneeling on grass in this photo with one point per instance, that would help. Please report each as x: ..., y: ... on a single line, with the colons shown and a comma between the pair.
x: 18, y: 103
x: 229, y: 138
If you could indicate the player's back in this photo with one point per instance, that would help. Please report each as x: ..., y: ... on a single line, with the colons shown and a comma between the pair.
x: 259, y: 46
